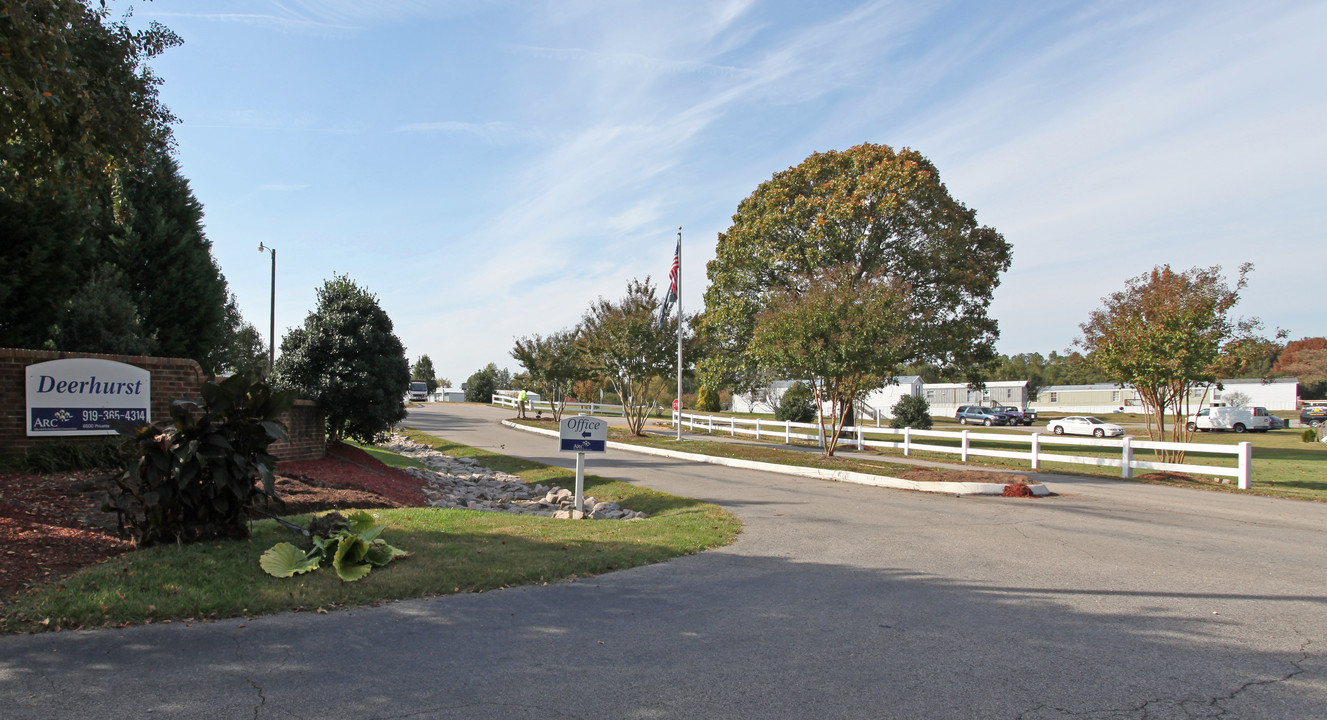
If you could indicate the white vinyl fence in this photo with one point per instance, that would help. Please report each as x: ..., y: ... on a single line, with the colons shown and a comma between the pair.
x: 1031, y: 447
x: 507, y: 398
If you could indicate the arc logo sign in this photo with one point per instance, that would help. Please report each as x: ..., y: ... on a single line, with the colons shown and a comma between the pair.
x: 82, y: 396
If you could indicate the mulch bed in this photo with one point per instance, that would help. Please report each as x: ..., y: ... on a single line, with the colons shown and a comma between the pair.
x: 51, y: 524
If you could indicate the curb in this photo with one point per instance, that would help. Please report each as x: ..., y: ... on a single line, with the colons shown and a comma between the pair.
x: 951, y: 488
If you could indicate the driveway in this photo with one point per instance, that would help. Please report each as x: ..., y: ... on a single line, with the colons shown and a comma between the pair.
x: 1110, y: 600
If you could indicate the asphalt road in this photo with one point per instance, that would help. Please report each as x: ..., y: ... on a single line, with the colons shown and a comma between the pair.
x: 1110, y: 600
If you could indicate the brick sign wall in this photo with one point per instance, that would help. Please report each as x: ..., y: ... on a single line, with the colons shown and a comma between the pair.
x: 172, y: 379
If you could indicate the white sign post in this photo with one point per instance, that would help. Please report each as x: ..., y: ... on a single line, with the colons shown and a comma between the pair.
x: 582, y: 434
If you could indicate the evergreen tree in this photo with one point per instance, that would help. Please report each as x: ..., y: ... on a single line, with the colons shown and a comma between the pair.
x: 347, y: 357
x: 423, y: 370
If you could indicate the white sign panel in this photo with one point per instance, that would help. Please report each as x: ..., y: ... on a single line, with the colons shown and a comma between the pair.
x: 81, y: 396
x: 582, y: 434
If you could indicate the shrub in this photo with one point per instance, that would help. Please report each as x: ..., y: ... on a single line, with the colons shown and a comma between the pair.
x: 195, y: 476
x: 348, y: 358
x: 707, y: 400
x: 911, y: 411
x: 1309, y: 435
x: 62, y: 456
x: 481, y: 386
x: 797, y: 404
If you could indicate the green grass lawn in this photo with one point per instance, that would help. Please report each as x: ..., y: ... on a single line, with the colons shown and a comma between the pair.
x: 451, y: 551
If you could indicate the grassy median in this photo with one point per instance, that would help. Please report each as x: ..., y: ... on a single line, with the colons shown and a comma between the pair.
x: 451, y: 551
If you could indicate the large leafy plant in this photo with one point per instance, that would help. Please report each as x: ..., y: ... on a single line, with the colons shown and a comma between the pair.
x: 350, y: 545
x: 197, y: 475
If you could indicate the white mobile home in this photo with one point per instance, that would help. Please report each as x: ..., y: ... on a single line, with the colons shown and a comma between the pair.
x: 945, y: 398
x: 1101, y: 398
x: 881, y: 402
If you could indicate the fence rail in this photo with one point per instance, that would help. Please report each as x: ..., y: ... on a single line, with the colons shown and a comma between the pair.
x: 906, y: 439
x: 505, y: 400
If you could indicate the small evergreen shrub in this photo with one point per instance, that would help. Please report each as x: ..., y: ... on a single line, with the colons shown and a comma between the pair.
x: 707, y: 400
x: 1309, y: 435
x: 797, y: 404
x: 911, y: 411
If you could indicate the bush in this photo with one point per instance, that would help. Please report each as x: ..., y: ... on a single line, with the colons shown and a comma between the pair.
x: 911, y: 411
x: 797, y: 404
x: 707, y: 400
x: 1309, y: 435
x: 195, y: 476
x: 62, y: 456
x: 481, y: 386
x: 347, y: 357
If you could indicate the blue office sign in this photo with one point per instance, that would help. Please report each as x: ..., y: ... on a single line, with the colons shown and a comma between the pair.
x: 85, y: 396
x: 583, y: 434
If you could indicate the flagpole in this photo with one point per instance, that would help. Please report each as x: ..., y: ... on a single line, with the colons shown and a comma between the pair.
x: 679, y: 333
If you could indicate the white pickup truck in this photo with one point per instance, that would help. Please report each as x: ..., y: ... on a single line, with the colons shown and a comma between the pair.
x: 1239, y: 419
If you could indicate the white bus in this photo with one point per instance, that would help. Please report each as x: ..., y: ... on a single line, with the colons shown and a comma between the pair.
x: 419, y: 391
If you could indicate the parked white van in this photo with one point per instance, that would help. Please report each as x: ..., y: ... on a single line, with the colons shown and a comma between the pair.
x: 1239, y: 419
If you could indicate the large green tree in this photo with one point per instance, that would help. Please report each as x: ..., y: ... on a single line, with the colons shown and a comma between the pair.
x: 179, y: 289
x: 1170, y: 335
x: 347, y: 357
x: 869, y: 215
x: 78, y: 102
x: 624, y: 343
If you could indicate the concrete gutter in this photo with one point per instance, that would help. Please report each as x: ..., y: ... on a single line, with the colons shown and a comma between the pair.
x: 952, y: 488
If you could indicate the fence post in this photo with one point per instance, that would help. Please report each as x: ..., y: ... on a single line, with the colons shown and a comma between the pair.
x: 1126, y: 459
x: 907, y: 440
x: 965, y: 445
x: 732, y: 426
x: 710, y: 420
x: 1036, y: 451
x: 1245, y: 465
x: 787, y: 432
x: 860, y: 439
x: 757, y: 428
x: 877, y: 417
x: 591, y: 408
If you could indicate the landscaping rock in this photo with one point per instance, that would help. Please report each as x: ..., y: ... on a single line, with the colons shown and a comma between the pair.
x: 464, y: 483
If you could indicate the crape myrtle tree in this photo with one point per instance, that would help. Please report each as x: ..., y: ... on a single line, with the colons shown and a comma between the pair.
x: 871, y: 222
x: 348, y: 359
x: 847, y: 333
x: 1170, y: 335
x: 624, y: 343
x: 553, y: 364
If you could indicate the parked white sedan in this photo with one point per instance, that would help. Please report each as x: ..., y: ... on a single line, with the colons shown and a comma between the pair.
x: 1084, y: 425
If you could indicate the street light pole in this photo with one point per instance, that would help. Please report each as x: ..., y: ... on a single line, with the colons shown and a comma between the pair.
x: 271, y: 334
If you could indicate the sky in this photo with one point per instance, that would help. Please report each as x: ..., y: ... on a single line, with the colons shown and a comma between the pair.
x: 489, y: 169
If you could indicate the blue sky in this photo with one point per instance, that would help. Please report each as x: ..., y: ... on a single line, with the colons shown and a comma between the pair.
x: 488, y: 169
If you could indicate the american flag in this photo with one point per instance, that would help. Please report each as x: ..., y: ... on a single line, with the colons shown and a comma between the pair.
x: 671, y: 296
